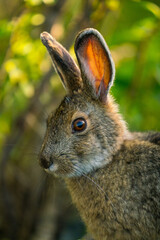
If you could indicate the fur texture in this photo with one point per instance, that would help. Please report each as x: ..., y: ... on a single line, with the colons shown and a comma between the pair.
x: 113, y: 175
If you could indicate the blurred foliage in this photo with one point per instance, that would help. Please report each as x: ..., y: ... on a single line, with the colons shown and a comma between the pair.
x: 29, y: 88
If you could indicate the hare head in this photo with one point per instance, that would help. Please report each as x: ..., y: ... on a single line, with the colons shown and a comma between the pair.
x: 86, y: 130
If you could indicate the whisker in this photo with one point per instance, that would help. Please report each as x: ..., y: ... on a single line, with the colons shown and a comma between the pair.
x: 100, y: 190
x: 97, y: 185
x: 91, y: 180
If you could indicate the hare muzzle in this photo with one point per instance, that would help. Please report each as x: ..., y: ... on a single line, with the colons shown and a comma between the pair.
x: 45, y: 162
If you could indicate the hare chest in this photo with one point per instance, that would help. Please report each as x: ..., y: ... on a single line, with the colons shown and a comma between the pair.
x: 98, y: 212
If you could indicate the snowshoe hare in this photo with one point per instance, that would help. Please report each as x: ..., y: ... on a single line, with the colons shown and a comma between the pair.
x: 113, y: 175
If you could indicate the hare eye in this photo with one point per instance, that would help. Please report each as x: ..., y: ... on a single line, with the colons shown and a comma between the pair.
x: 79, y: 125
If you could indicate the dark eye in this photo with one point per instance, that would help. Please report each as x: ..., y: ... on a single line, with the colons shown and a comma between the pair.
x: 79, y: 125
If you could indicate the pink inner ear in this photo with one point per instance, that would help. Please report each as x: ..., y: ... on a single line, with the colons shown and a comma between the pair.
x: 96, y: 59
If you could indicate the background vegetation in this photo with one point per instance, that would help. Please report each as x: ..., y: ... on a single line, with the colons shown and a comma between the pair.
x: 33, y: 205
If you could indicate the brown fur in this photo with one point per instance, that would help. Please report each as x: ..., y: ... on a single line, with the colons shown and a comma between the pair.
x: 121, y: 200
x: 113, y: 175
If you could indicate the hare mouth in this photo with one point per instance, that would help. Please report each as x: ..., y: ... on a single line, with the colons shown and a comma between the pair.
x: 52, y: 168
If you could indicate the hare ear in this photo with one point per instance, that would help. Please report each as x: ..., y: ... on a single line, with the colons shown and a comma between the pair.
x: 63, y: 63
x: 96, y: 64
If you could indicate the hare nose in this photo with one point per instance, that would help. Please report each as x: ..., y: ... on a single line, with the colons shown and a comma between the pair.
x: 45, y: 162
